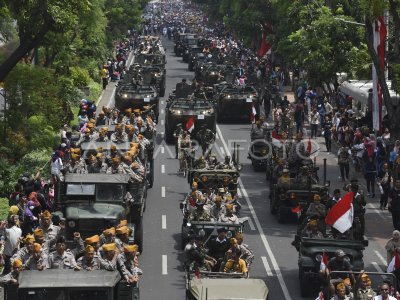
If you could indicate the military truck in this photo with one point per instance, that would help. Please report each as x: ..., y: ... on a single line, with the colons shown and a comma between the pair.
x: 311, y: 253
x: 91, y: 203
x: 290, y: 200
x: 71, y: 285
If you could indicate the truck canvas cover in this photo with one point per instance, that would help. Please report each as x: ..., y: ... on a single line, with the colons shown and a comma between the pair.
x: 224, y: 288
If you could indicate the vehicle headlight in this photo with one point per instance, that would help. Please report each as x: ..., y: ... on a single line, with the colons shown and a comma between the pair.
x: 210, y: 111
x: 263, y: 152
x: 318, y: 257
x: 71, y: 224
x: 124, y: 95
x: 228, y: 96
x: 157, y: 74
x: 176, y: 111
x: 213, y: 73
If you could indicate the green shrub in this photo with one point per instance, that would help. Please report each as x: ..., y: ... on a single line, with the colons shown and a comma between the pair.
x: 68, y: 92
x: 4, y: 208
x: 80, y: 77
x: 95, y: 91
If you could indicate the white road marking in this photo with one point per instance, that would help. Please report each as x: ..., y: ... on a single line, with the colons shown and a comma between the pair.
x: 164, y: 265
x: 162, y: 102
x: 163, y: 191
x: 162, y: 122
x: 383, y: 261
x: 162, y: 111
x: 239, y: 193
x: 222, y: 150
x: 261, y: 231
x: 162, y: 149
x: 162, y: 169
x: 111, y: 98
x: 251, y: 224
x: 164, y: 222
x: 217, y: 136
x: 266, y: 266
x: 162, y: 134
x: 377, y: 267
x: 376, y: 210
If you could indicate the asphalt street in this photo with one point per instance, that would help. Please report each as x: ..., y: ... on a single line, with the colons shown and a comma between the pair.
x: 275, y: 258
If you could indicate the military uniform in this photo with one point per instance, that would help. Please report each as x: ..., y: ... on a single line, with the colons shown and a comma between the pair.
x: 98, y: 167
x: 206, y: 137
x: 126, y: 266
x: 316, y: 209
x: 8, y: 277
x: 216, y: 212
x: 366, y: 294
x: 390, y: 247
x: 95, y: 264
x: 115, y: 169
x: 312, y: 234
x: 63, y: 261
x: 119, y: 137
x: 51, y: 234
x: 32, y: 263
x: 22, y: 254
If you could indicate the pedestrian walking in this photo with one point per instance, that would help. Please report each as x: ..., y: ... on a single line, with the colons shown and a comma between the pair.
x: 314, y: 121
x: 344, y: 155
x: 394, y: 204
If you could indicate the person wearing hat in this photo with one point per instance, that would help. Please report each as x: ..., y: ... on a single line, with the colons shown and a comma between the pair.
x: 229, y: 216
x: 339, y: 263
x: 363, y: 289
x: 116, y: 166
x: 110, y: 256
x: 62, y: 258
x: 51, y: 232
x: 10, y: 236
x: 127, y: 263
x: 12, y: 276
x: 91, y: 261
x: 316, y: 209
x: 200, y: 163
x: 98, y: 164
x: 311, y: 231
x: 340, y: 293
x: 122, y: 236
x: 25, y: 252
x: 235, y: 264
x: 38, y: 260
x: 206, y: 138
x: 119, y: 136
x: 102, y: 120
x: 200, y: 213
x: 102, y: 135
x: 108, y: 236
x: 257, y: 133
x: 218, y: 246
x: 285, y: 178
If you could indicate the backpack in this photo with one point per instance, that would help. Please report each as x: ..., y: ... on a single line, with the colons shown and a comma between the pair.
x: 344, y: 156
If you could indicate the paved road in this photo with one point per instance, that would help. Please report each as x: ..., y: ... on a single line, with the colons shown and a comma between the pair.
x: 276, y: 259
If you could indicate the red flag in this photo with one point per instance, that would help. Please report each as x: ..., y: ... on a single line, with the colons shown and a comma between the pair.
x: 197, y: 273
x: 309, y: 146
x: 394, y: 264
x: 190, y: 124
x: 340, y: 216
x: 253, y: 114
x: 324, y: 262
x: 264, y: 48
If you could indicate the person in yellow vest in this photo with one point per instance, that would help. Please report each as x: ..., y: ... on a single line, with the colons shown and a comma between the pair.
x: 104, y: 76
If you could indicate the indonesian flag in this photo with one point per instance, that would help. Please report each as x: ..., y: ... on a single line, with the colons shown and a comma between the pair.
x: 394, y: 264
x: 264, y: 47
x: 320, y: 296
x: 309, y: 146
x: 324, y: 262
x: 253, y: 114
x: 276, y: 139
x: 190, y: 124
x: 340, y: 216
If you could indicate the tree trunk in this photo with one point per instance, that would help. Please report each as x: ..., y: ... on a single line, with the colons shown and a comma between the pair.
x: 23, y: 48
x: 392, y: 111
x: 396, y: 29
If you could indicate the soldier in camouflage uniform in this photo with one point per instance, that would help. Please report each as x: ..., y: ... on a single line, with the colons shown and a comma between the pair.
x: 206, y: 138
x: 200, y: 214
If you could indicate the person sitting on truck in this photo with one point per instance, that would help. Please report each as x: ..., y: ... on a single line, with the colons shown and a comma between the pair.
x: 235, y: 264
x: 62, y: 258
x: 25, y: 252
x: 285, y: 178
x: 200, y: 213
x: 198, y: 256
x: 94, y: 241
x: 341, y: 293
x: 127, y: 263
x: 385, y: 293
x: 122, y: 238
x: 110, y: 256
x: 119, y: 136
x: 316, y: 208
x: 339, y: 263
x: 218, y: 208
x: 363, y: 287
x: 38, y: 260
x: 311, y: 231
x: 51, y: 232
x: 257, y: 133
x: 116, y: 167
x: 12, y: 277
x: 245, y: 252
x: 108, y: 236
x: 229, y: 216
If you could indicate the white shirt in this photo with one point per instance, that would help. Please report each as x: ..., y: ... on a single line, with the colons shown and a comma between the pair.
x: 56, y: 166
x: 379, y: 297
x: 12, y: 236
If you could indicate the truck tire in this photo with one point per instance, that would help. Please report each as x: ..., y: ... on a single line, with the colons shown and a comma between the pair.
x: 305, y: 285
x: 272, y: 208
x: 184, y: 235
x: 280, y: 216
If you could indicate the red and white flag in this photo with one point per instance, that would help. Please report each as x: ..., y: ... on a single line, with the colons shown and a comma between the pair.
x: 340, y: 216
x: 276, y: 139
x: 309, y: 146
x: 253, y: 114
x: 394, y: 264
x: 190, y: 124
x: 324, y: 262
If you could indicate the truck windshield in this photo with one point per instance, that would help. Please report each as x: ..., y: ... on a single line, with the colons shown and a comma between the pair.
x: 109, y: 192
x: 80, y: 189
x: 44, y: 294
